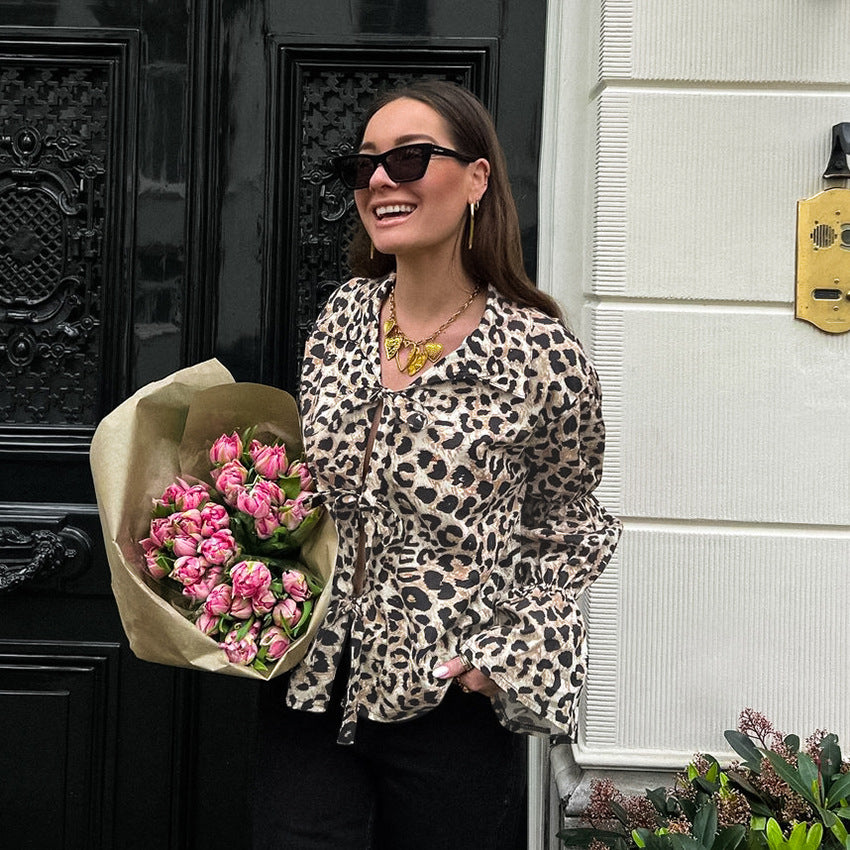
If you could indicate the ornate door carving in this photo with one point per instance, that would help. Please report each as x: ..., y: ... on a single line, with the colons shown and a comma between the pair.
x: 163, y: 199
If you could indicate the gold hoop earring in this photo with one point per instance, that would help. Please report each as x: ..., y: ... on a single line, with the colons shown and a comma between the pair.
x: 473, y: 206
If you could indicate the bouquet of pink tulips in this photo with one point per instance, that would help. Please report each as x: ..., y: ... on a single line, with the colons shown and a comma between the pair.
x: 231, y: 550
x: 230, y: 571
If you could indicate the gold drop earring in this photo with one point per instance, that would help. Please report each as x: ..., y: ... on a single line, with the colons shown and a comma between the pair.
x: 473, y: 206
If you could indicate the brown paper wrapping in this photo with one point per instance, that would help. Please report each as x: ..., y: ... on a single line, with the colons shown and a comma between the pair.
x: 162, y: 432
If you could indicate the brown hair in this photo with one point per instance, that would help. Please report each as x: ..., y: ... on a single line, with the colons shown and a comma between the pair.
x: 496, y: 254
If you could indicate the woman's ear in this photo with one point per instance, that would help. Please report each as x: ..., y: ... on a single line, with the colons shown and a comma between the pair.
x: 480, y: 174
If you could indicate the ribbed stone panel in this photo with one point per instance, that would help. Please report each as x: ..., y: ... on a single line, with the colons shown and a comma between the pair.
x: 710, y: 620
x: 611, y: 198
x: 726, y: 413
x: 696, y: 191
x: 763, y: 41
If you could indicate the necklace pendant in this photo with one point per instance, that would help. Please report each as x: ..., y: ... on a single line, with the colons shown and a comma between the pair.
x: 433, y: 350
x: 417, y: 359
x: 392, y: 345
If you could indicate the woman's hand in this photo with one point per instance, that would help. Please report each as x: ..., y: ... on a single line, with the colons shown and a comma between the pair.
x: 469, y: 678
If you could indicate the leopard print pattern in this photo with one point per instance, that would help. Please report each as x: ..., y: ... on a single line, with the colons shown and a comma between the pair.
x: 474, y: 511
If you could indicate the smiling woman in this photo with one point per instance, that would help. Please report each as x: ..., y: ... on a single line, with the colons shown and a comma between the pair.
x: 453, y: 426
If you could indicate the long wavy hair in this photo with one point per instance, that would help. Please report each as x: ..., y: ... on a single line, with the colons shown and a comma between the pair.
x: 496, y: 254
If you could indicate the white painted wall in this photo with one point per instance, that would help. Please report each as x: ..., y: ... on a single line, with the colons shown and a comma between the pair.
x: 678, y: 137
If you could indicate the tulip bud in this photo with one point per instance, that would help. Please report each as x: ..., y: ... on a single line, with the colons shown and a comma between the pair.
x: 226, y: 449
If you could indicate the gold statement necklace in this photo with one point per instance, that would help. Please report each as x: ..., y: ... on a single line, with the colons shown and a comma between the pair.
x: 396, y: 340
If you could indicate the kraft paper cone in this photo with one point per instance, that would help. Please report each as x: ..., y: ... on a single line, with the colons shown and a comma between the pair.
x: 162, y: 432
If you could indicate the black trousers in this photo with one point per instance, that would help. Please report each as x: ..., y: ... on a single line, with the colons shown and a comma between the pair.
x: 453, y: 779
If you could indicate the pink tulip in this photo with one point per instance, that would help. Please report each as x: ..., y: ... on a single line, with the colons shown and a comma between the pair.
x: 202, y: 588
x: 254, y: 502
x: 185, y: 544
x: 241, y: 608
x: 193, y: 497
x: 269, y: 461
x: 229, y: 477
x: 219, y: 600
x: 286, y: 612
x: 161, y: 530
x: 292, y: 514
x: 295, y: 585
x: 299, y: 468
x: 238, y: 651
x: 207, y: 623
x: 221, y: 548
x: 226, y: 449
x: 172, y: 494
x: 153, y: 567
x: 213, y: 518
x: 276, y: 642
x: 266, y: 526
x: 270, y: 489
x: 188, y: 570
x: 250, y: 578
x: 262, y: 603
x: 186, y: 522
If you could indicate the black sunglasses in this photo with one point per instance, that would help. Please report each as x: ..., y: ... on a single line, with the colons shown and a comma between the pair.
x: 403, y: 165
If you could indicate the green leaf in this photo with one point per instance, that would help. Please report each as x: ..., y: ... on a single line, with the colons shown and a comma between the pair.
x: 730, y: 837
x: 830, y: 756
x: 684, y: 842
x: 839, y: 789
x: 705, y: 824
x: 775, y: 838
x: 790, y: 775
x: 658, y: 798
x: 745, y: 748
x: 244, y: 628
x: 639, y: 836
x: 793, y: 743
x: 815, y: 836
x: 797, y: 837
x: 299, y: 627
x: 809, y: 775
x: 839, y: 831
x: 618, y: 811
x: 291, y: 485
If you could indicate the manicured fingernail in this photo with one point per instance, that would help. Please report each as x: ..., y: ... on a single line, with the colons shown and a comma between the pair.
x: 441, y: 672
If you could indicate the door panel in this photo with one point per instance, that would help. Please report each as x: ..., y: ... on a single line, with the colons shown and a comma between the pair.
x: 163, y: 200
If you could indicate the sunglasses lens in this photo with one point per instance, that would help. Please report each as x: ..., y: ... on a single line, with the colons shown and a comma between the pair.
x: 355, y: 170
x: 408, y: 163
x: 401, y: 164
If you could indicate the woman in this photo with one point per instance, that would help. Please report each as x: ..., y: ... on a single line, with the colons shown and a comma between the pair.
x: 453, y: 426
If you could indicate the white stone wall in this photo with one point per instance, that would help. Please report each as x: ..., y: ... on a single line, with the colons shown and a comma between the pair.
x: 678, y: 137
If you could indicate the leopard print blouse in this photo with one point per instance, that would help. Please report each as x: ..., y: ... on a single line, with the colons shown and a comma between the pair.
x: 474, y: 513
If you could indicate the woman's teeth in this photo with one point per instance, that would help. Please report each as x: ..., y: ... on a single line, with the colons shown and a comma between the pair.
x: 395, y: 209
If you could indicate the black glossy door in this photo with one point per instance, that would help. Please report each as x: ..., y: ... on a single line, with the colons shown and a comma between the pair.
x: 162, y: 200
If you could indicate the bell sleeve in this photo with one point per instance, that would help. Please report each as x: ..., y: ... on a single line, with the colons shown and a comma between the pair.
x: 534, y: 649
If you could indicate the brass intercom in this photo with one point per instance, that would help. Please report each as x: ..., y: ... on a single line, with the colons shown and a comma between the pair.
x: 823, y: 260
x: 823, y: 246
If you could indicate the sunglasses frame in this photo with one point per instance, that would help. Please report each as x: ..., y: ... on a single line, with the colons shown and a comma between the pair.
x: 337, y: 163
